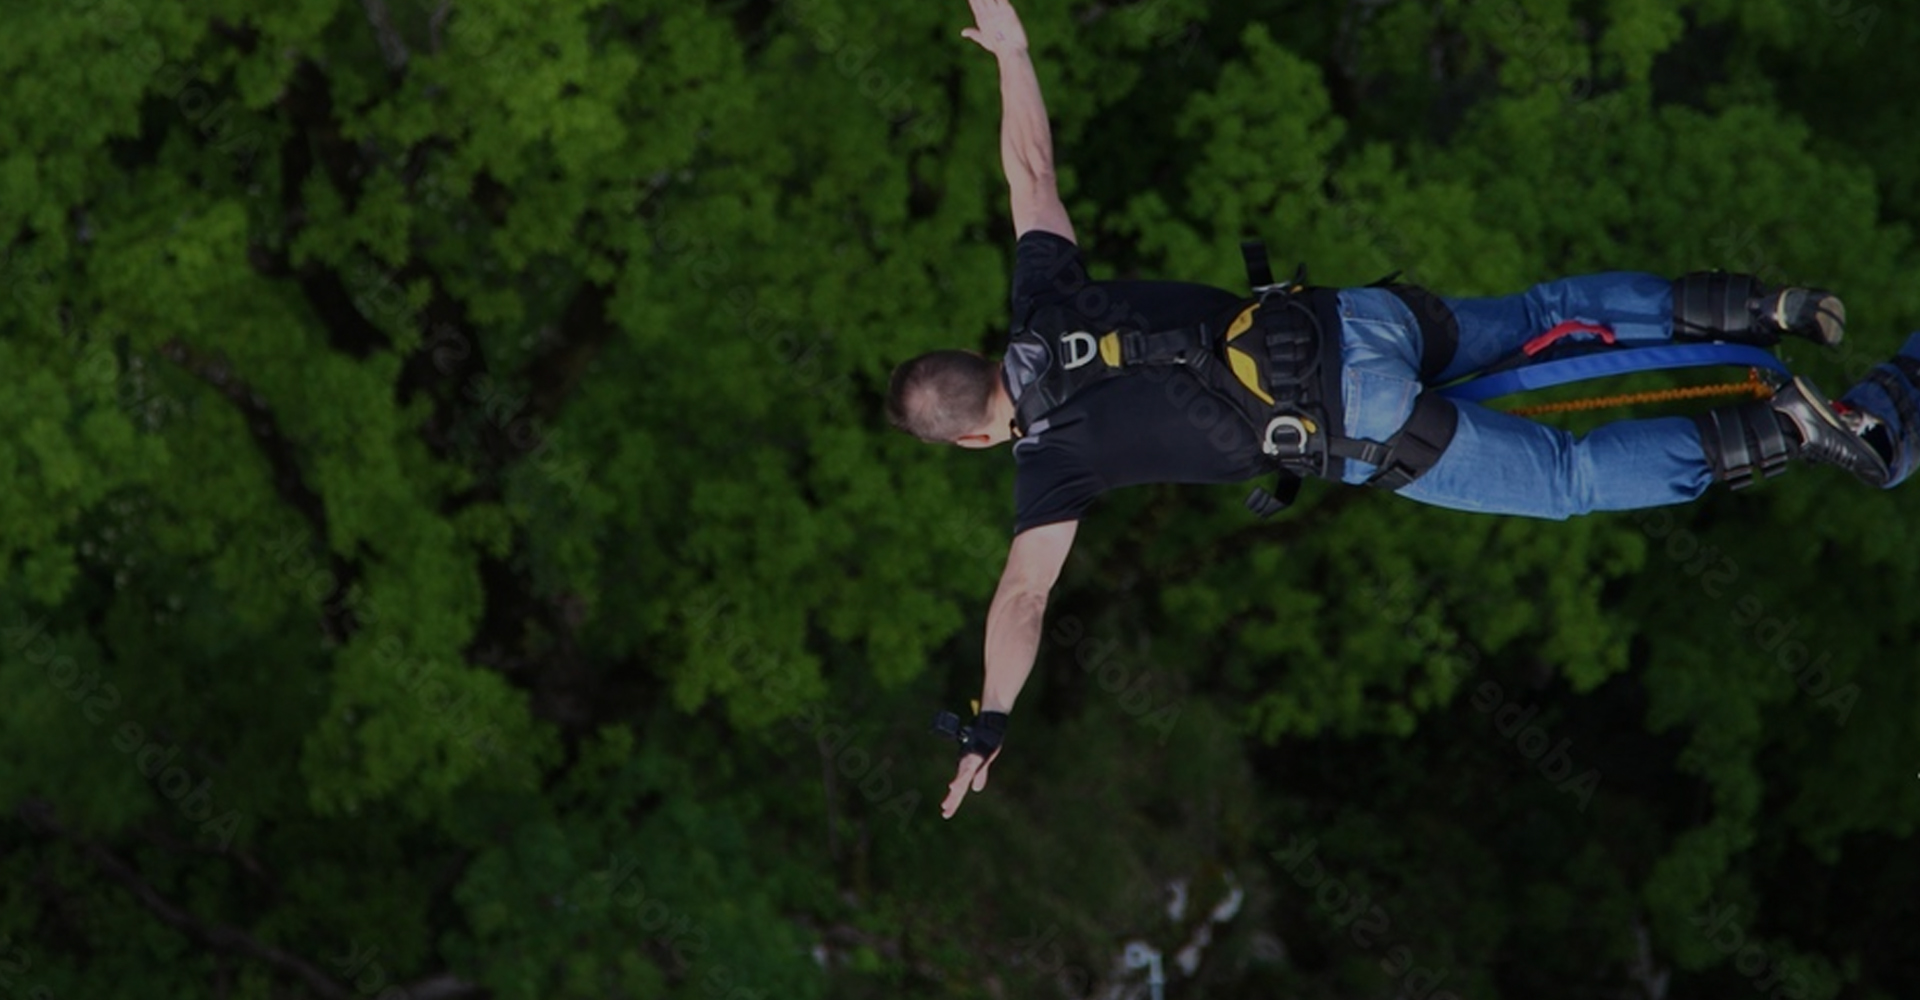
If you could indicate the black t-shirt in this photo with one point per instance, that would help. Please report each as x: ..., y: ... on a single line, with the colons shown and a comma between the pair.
x: 1157, y: 425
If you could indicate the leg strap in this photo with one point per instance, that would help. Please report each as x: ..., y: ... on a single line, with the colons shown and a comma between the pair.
x: 1412, y: 450
x: 1744, y: 443
x: 1439, y: 329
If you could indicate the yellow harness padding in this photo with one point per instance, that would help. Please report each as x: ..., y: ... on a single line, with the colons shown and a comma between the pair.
x: 1244, y: 367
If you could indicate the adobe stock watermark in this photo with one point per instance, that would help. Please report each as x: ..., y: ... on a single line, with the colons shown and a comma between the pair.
x: 1772, y: 977
x: 19, y: 962
x: 1184, y: 36
x: 130, y: 385
x: 1397, y: 605
x: 1513, y: 722
x: 1749, y: 614
x: 853, y: 60
x: 712, y: 272
x: 1133, y: 690
x: 1557, y: 66
x: 980, y: 538
x: 1509, y: 718
x: 1365, y: 921
x: 1860, y: 19
x: 423, y: 679
x: 232, y: 131
x: 1042, y: 953
x: 378, y: 295
x: 618, y: 885
x: 367, y: 976
x: 872, y: 777
x: 154, y: 759
x: 870, y: 774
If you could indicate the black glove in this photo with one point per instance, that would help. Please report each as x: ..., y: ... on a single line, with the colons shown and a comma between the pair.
x: 983, y: 737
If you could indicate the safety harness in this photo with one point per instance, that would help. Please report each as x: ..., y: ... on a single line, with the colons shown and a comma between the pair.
x: 1274, y: 364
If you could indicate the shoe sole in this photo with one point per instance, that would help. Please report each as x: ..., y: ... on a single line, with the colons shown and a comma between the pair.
x: 1829, y: 315
x: 1818, y: 402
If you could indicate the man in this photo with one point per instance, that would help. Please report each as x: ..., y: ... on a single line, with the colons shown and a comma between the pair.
x: 1109, y: 384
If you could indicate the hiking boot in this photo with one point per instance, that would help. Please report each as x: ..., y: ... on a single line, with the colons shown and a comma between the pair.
x: 1817, y: 315
x: 1825, y: 437
x: 1886, y: 405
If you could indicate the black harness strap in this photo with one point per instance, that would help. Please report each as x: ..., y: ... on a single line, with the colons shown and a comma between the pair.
x: 1164, y: 347
x: 1439, y: 329
x: 1413, y: 449
x: 1293, y: 348
x: 1298, y: 418
x: 1259, y: 268
x: 1303, y: 374
x: 1296, y: 431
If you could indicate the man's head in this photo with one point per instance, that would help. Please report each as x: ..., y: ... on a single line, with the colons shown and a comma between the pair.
x: 951, y: 397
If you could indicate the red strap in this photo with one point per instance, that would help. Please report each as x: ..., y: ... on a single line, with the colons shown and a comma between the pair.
x: 1563, y: 330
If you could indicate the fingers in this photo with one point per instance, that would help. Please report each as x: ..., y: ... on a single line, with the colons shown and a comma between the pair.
x: 958, y: 789
x: 989, y: 14
x: 970, y: 776
x: 980, y: 776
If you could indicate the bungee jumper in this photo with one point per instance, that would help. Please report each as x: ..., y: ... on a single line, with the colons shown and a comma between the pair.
x: 1107, y: 384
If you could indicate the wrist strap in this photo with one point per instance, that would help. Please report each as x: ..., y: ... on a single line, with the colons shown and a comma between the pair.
x: 985, y: 735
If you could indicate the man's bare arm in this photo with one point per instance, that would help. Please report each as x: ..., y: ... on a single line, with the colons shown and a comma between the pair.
x: 1018, y: 609
x: 1014, y: 622
x: 1026, y: 138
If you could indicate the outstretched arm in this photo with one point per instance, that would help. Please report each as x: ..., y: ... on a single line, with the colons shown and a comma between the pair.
x: 1013, y: 635
x: 1026, y: 140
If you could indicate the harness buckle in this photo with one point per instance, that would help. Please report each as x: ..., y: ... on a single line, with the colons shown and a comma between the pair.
x: 1287, y: 436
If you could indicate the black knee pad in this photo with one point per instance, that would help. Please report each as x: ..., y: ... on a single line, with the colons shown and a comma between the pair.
x: 1716, y: 305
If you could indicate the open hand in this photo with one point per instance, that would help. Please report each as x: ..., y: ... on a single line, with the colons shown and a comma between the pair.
x: 971, y: 776
x: 997, y: 28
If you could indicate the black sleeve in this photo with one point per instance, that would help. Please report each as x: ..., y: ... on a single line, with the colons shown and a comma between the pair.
x: 1045, y: 265
x: 1050, y: 484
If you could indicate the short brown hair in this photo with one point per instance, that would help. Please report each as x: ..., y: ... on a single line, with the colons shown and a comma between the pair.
x: 942, y: 395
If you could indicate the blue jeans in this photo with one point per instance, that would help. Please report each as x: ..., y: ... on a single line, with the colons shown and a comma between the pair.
x: 1894, y: 397
x: 1499, y: 463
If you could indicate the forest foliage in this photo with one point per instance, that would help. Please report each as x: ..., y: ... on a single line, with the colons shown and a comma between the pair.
x: 450, y: 544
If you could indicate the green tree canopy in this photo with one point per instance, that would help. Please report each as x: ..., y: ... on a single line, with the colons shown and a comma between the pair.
x: 450, y: 545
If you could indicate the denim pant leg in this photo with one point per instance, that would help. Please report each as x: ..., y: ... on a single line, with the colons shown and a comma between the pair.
x: 1637, y: 307
x: 1497, y: 462
x: 1894, y: 397
x: 1380, y: 358
x: 1502, y: 464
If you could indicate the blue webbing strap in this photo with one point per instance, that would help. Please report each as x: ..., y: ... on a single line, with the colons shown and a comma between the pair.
x: 1605, y: 363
